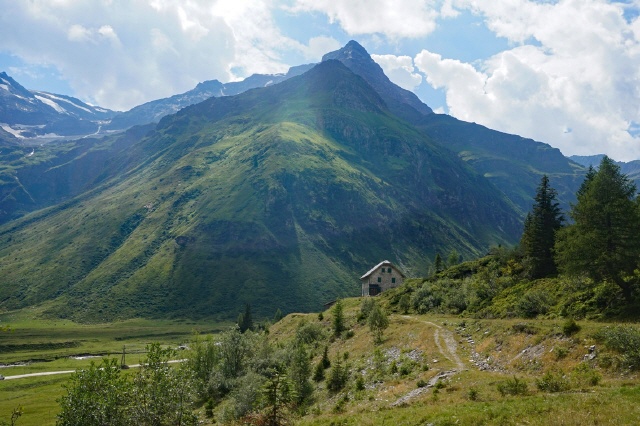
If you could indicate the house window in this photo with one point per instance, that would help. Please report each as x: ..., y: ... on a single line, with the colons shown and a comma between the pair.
x: 393, y: 280
x: 389, y: 270
x: 379, y: 279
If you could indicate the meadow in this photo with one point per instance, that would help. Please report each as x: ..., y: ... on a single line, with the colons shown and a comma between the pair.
x: 32, y: 345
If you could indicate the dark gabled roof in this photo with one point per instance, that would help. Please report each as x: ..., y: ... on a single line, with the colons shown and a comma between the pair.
x: 383, y: 263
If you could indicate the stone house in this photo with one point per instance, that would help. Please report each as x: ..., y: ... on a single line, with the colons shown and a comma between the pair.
x: 381, y: 277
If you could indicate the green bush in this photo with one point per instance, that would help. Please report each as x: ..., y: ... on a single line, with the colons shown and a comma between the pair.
x: 534, y: 302
x: 555, y: 381
x: 584, y: 375
x: 570, y: 327
x: 513, y: 386
x: 626, y: 341
x: 473, y: 394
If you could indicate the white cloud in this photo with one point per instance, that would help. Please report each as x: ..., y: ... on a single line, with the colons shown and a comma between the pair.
x: 126, y: 53
x: 78, y: 33
x: 318, y: 46
x: 410, y: 18
x: 400, y: 70
x: 572, y: 80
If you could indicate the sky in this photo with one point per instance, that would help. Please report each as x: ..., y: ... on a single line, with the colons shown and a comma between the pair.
x: 564, y: 72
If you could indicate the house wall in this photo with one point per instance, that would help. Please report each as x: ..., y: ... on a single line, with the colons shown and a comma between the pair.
x: 383, y: 278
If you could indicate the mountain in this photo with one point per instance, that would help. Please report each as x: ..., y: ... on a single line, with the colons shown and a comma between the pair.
x: 152, y: 112
x: 400, y: 101
x: 27, y: 114
x: 630, y: 168
x: 280, y: 197
x: 513, y: 164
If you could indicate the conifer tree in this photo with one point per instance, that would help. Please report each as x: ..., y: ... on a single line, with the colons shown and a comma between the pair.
x: 604, y: 240
x: 540, y: 227
x: 245, y: 321
x: 338, y: 318
x: 438, y: 264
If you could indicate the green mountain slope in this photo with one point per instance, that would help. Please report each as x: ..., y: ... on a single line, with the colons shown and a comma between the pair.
x: 512, y: 163
x: 280, y: 197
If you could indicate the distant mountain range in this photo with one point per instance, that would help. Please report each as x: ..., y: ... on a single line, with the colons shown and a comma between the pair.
x: 27, y: 114
x: 279, y: 196
x: 631, y: 168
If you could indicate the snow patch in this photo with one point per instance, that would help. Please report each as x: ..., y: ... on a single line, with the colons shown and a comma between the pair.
x: 59, y: 99
x: 8, y: 129
x: 52, y: 104
x: 3, y: 85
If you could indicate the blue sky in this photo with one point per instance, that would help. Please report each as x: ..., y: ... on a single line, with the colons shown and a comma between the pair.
x: 564, y: 72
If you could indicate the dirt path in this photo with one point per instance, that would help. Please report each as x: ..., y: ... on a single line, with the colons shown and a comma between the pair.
x: 441, y: 335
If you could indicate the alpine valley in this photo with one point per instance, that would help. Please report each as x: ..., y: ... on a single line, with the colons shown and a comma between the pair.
x: 279, y: 191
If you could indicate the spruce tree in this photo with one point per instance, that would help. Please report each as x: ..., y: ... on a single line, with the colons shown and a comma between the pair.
x: 604, y: 240
x: 338, y: 318
x: 540, y: 227
x: 245, y: 321
x: 438, y: 264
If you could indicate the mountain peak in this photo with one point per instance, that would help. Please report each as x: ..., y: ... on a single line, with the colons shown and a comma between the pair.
x: 400, y: 101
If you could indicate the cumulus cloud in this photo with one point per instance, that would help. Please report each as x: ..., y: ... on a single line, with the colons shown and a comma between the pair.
x: 318, y: 46
x: 400, y: 70
x: 411, y: 18
x: 126, y: 53
x: 572, y: 79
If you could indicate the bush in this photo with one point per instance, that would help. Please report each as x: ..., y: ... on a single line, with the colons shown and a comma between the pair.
x: 626, y: 341
x: 533, y: 303
x: 584, y: 375
x: 513, y: 386
x: 570, y: 327
x: 473, y: 394
x: 553, y: 382
x: 525, y: 328
x: 308, y: 333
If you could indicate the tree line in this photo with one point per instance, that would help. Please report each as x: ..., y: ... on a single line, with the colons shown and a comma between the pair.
x: 602, y: 238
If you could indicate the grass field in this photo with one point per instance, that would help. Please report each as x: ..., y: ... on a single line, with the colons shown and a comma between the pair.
x: 34, y: 345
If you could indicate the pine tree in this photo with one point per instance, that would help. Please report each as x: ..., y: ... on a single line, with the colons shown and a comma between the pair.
x: 540, y: 227
x: 604, y: 240
x: 245, y: 321
x: 299, y: 373
x: 438, y: 264
x: 338, y: 318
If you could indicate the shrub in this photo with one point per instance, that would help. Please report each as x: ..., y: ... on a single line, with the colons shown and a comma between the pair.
x: 421, y: 383
x: 626, y: 341
x: 585, y: 375
x: 553, y: 382
x: 404, y: 304
x: 365, y: 308
x: 525, y: 328
x: 309, y: 332
x: 560, y: 352
x: 513, y: 386
x: 473, y: 394
x: 533, y: 303
x: 570, y: 327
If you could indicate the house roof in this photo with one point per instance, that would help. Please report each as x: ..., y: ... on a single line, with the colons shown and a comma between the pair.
x: 385, y: 263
